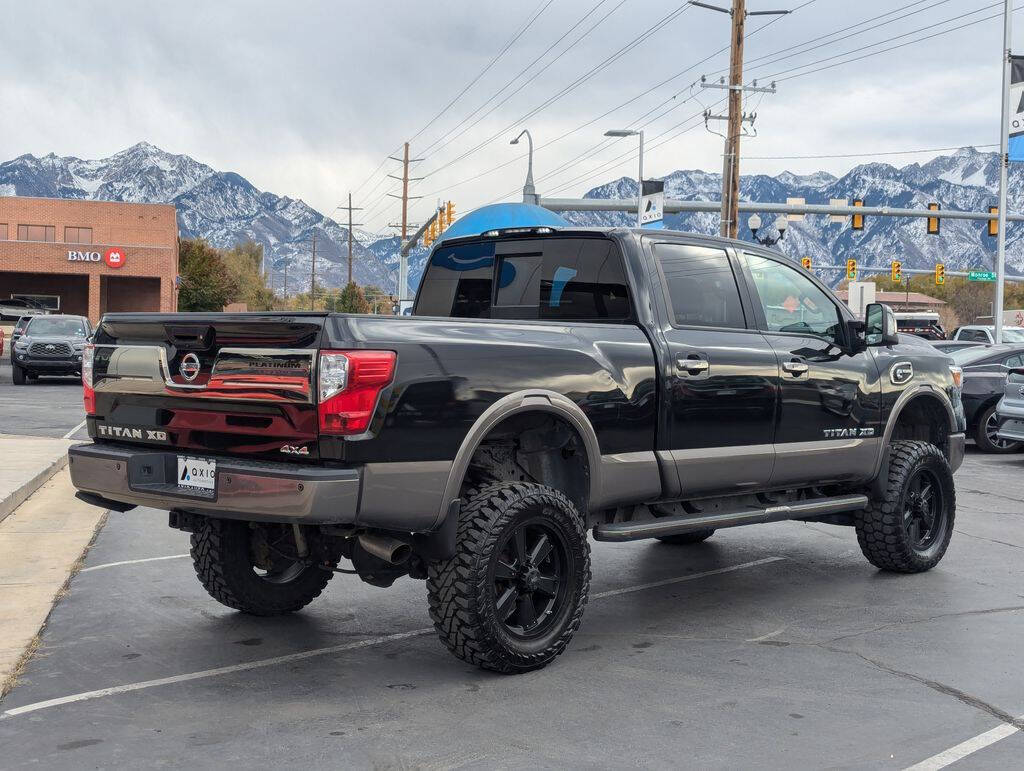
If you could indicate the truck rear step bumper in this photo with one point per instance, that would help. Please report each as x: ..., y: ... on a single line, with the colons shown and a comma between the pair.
x: 662, y: 526
x: 271, y: 492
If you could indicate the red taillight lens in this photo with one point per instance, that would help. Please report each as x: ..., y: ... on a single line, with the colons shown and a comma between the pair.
x: 88, y: 394
x: 348, y: 387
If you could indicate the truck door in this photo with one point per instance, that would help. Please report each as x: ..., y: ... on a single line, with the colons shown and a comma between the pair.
x: 721, y: 376
x: 829, y: 407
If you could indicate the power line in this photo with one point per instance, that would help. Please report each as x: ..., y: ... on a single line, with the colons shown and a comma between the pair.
x: 649, y: 32
x: 863, y: 155
x: 589, y: 152
x: 775, y: 75
x: 536, y: 14
x: 429, y: 149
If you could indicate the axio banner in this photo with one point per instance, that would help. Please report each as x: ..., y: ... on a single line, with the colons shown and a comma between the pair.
x: 1016, y: 116
x: 652, y: 203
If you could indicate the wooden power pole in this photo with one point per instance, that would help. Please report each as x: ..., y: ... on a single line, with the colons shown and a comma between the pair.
x: 735, y: 117
x: 731, y: 165
x: 312, y: 276
x: 403, y: 263
x: 350, y: 208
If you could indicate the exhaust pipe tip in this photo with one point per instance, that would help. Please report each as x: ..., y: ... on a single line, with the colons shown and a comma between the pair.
x: 390, y: 550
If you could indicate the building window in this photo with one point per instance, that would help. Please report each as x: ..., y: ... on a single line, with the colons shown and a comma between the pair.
x: 37, y: 233
x: 78, y: 235
x: 3, y: 231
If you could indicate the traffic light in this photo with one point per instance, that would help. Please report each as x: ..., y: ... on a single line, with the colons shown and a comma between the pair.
x: 933, y: 222
x: 449, y: 212
x: 432, y: 230
x: 993, y: 224
x: 851, y: 270
x: 940, y: 274
x: 897, y: 271
x: 806, y: 262
x: 857, y: 222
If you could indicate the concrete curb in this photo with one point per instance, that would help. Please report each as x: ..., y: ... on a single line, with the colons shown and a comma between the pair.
x: 23, y: 493
x: 31, y: 462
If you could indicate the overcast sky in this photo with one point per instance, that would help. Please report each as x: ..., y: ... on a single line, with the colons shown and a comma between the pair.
x: 306, y: 98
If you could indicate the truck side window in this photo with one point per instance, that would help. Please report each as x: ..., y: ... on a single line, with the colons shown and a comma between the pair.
x: 570, y: 279
x: 457, y: 282
x: 791, y: 301
x: 701, y: 286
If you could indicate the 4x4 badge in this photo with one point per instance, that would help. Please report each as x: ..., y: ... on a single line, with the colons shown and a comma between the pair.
x: 292, y: 449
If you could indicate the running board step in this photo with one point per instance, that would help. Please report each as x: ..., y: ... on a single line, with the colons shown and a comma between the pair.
x: 662, y: 526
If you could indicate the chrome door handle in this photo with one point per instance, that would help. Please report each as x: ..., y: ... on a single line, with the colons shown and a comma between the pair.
x: 794, y: 367
x: 693, y: 365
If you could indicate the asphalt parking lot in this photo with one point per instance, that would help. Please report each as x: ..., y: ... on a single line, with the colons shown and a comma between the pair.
x: 49, y: 406
x: 771, y: 646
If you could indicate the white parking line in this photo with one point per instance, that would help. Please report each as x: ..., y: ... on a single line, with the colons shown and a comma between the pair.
x: 962, y: 750
x: 74, y: 430
x: 133, y: 562
x: 261, y: 663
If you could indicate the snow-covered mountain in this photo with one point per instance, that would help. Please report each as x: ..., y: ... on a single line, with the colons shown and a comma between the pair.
x: 222, y: 207
x: 966, y: 180
x: 225, y: 208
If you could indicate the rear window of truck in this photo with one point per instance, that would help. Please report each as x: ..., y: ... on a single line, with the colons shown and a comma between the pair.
x: 569, y: 279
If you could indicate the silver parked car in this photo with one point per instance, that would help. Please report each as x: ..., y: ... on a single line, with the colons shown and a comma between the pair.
x: 1010, y: 410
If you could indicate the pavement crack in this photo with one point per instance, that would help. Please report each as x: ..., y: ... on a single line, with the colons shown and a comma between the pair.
x: 947, y: 690
x: 989, y: 493
x: 891, y: 624
x: 990, y: 540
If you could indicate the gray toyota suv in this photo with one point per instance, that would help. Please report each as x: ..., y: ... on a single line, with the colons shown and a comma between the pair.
x: 50, y: 345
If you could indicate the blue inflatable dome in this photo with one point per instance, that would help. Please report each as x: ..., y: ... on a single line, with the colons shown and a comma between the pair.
x: 499, y: 216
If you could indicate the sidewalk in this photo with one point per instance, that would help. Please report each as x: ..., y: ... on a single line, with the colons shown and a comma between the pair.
x: 26, y: 462
x: 41, y: 544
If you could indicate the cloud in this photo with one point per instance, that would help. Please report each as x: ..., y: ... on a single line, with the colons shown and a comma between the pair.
x: 306, y: 98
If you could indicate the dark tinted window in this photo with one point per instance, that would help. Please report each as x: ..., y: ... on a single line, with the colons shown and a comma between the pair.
x: 458, y: 282
x: 701, y: 286
x: 578, y: 279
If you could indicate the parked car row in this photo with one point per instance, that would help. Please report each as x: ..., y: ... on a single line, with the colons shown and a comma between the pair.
x: 15, y: 307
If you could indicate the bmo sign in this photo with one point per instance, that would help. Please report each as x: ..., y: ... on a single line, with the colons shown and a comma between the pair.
x: 114, y: 257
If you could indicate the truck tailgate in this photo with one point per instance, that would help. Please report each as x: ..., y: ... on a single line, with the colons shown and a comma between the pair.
x: 242, y: 384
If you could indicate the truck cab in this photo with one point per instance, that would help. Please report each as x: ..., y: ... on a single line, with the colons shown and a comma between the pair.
x: 550, y: 382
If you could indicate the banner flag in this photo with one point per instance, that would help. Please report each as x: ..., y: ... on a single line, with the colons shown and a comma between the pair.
x: 1016, y: 116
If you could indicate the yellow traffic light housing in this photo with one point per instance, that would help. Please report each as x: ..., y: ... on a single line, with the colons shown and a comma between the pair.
x: 933, y: 222
x: 857, y: 222
x: 897, y: 271
x: 851, y: 270
x: 940, y: 274
x: 806, y: 262
x: 993, y: 224
x: 449, y: 212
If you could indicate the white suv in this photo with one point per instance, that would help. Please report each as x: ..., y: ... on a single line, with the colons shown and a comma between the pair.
x: 980, y: 333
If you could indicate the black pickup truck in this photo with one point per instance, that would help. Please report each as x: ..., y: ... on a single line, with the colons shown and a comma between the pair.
x: 550, y: 382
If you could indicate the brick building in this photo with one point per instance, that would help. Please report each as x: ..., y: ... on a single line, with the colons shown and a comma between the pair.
x: 89, y: 257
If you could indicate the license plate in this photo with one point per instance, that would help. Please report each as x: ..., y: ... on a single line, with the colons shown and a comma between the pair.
x: 197, y: 473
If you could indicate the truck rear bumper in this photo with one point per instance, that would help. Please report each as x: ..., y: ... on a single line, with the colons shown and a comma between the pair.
x: 261, y: 491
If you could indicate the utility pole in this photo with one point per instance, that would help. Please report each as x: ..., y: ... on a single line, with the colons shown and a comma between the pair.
x: 351, y: 224
x: 1004, y: 160
x: 735, y: 118
x: 403, y: 260
x: 312, y: 276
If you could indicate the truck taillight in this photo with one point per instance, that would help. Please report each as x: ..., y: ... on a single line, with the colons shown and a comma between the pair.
x: 349, y: 383
x: 88, y: 394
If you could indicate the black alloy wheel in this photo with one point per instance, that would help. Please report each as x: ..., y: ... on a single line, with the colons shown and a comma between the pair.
x: 529, y: 578
x: 924, y: 510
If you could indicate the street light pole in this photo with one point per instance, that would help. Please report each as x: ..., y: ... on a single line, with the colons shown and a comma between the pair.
x: 640, y: 170
x: 529, y: 191
x: 1004, y: 152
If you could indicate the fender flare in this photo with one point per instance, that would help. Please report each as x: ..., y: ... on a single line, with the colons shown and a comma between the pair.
x: 530, y: 400
x: 923, y: 389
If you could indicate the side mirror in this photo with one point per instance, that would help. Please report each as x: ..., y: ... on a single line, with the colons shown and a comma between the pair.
x: 880, y: 325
